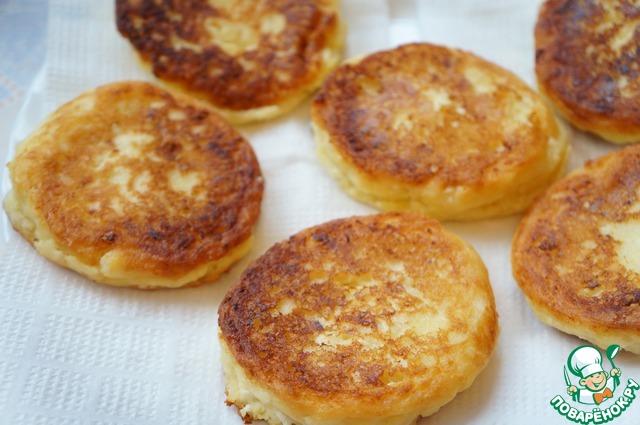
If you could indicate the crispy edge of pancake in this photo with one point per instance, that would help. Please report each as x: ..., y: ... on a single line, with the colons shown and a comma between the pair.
x: 602, y: 336
x: 256, y: 402
x: 27, y: 222
x: 603, y: 128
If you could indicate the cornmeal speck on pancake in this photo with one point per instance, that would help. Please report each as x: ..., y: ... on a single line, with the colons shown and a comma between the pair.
x: 133, y: 186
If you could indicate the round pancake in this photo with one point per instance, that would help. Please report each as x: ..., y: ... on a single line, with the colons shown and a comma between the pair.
x: 130, y: 185
x: 588, y: 64
x: 436, y: 130
x: 251, y: 59
x: 575, y: 253
x: 363, y: 320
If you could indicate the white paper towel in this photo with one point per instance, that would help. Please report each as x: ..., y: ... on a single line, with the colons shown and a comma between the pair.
x: 74, y: 352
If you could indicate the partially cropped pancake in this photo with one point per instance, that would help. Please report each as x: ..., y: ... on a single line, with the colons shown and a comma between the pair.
x: 576, y: 252
x: 251, y: 59
x: 363, y: 321
x: 588, y: 64
x: 436, y: 130
x: 130, y: 185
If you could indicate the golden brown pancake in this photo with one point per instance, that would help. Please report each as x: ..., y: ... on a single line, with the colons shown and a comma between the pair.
x: 576, y: 252
x: 436, y: 130
x: 364, y: 320
x: 251, y: 59
x: 588, y: 64
x: 130, y: 185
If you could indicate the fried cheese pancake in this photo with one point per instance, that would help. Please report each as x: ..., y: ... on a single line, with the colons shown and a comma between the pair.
x: 575, y: 253
x: 588, y: 64
x: 251, y: 59
x: 364, y: 320
x: 130, y: 185
x: 436, y: 130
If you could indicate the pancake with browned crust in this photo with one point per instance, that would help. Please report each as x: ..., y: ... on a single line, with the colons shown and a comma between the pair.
x: 130, y: 185
x: 364, y: 320
x: 575, y: 253
x: 251, y: 59
x: 588, y: 64
x: 436, y: 130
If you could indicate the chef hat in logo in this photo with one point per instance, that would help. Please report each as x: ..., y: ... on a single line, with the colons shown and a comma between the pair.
x: 585, y: 361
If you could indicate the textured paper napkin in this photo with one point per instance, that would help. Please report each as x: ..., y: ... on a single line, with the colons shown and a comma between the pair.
x: 73, y: 352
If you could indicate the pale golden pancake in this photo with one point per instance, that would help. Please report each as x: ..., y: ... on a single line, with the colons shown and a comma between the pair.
x: 436, y: 130
x: 576, y: 252
x: 251, y: 59
x: 364, y: 320
x: 130, y: 185
x: 588, y: 64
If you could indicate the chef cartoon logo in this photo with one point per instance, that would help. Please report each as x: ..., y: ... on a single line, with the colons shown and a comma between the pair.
x: 590, y: 385
x: 596, y: 385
